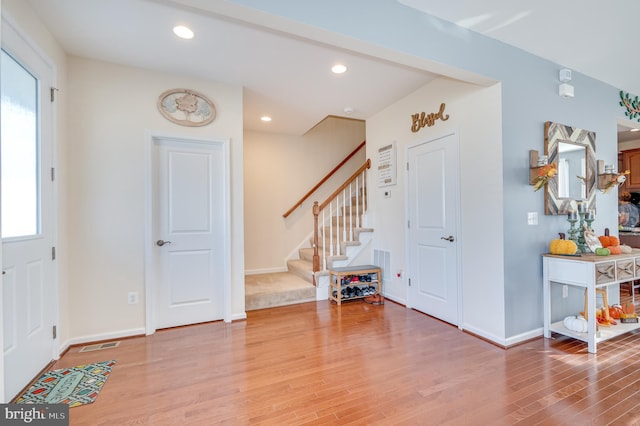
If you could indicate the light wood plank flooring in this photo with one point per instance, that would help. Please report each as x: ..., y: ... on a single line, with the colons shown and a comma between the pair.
x: 316, y: 363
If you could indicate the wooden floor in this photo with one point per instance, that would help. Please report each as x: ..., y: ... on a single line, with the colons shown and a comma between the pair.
x: 316, y: 363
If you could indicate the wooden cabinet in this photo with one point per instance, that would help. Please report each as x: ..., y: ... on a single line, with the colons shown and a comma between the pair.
x: 632, y: 239
x: 354, y: 282
x: 592, y: 273
x: 630, y: 160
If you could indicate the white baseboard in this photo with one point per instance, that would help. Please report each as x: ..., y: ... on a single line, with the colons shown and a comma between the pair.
x: 239, y: 317
x: 523, y: 337
x: 395, y: 299
x: 508, y: 342
x: 483, y: 334
x: 101, y: 337
x: 265, y: 270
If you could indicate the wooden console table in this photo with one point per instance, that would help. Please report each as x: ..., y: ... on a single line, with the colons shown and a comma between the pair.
x: 590, y: 272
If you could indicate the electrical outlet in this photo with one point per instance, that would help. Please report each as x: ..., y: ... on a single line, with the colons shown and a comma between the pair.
x: 132, y: 298
x: 565, y: 291
x: 532, y: 218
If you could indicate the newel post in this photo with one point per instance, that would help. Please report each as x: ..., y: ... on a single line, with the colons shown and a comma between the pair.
x: 316, y: 257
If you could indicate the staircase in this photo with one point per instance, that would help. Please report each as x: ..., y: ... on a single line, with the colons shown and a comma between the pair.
x: 303, y: 265
x: 340, y: 233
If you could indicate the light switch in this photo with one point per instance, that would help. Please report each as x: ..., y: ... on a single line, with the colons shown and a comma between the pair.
x: 532, y: 218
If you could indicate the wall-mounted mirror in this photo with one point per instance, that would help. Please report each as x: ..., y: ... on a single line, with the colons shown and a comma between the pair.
x: 572, y: 170
x: 574, y: 152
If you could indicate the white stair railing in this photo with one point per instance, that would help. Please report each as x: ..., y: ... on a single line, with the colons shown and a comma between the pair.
x: 345, y: 207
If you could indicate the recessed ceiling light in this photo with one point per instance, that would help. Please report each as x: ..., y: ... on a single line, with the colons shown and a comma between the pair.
x: 338, y: 69
x: 265, y: 118
x: 183, y: 32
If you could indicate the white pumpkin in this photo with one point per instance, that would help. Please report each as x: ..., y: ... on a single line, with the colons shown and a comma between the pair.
x: 577, y: 324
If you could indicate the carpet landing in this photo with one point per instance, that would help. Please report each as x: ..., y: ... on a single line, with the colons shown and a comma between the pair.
x: 276, y: 289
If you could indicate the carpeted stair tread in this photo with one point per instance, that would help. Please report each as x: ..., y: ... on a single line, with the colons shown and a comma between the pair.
x: 306, y: 254
x: 302, y: 268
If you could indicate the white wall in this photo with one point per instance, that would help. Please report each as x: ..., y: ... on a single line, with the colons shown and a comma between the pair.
x: 110, y: 109
x: 278, y: 170
x: 474, y: 114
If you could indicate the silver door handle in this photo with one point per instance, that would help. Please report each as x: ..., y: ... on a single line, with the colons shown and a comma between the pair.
x: 162, y: 242
x: 449, y: 238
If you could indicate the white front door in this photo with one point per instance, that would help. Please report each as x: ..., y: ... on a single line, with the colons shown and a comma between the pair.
x: 433, y: 227
x: 29, y: 295
x: 189, y: 232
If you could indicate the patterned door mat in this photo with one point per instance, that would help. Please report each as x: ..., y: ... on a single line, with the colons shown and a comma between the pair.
x: 72, y: 386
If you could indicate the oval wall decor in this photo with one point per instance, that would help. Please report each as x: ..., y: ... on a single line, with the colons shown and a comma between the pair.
x: 186, y: 107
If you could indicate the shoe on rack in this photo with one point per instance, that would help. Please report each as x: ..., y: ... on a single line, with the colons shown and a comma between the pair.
x: 374, y: 299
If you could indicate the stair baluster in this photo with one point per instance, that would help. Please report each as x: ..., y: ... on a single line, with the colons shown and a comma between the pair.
x: 337, y: 203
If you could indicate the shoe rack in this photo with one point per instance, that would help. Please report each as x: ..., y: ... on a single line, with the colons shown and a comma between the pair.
x: 355, y: 282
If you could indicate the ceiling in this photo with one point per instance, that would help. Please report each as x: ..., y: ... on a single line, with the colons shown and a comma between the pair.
x: 285, y: 77
x: 289, y: 77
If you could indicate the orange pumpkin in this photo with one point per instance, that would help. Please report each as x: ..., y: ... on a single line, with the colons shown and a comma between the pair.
x: 615, y: 311
x: 615, y: 249
x: 609, y: 241
x: 629, y: 308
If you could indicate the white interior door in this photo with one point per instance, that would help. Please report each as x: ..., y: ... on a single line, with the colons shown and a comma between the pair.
x: 190, y: 224
x: 433, y: 228
x: 29, y: 294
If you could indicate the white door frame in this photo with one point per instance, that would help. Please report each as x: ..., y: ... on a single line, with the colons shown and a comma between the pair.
x: 458, y: 219
x: 15, y: 45
x: 150, y: 275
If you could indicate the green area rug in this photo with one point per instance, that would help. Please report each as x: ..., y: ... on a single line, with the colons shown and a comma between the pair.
x: 72, y: 386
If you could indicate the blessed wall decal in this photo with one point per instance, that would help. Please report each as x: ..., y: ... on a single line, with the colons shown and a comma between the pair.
x: 420, y: 120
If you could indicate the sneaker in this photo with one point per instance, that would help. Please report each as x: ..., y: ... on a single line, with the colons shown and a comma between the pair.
x: 375, y: 299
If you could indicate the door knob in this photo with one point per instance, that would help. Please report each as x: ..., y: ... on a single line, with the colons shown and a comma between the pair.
x: 162, y: 242
x: 449, y: 238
